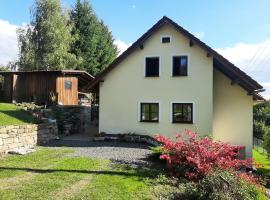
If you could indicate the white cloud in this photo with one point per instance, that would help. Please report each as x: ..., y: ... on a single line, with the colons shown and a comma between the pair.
x: 121, y: 46
x: 8, y: 42
x: 200, y: 35
x: 266, y: 94
x: 258, y: 67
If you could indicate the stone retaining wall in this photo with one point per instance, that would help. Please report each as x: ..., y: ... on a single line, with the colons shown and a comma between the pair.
x: 17, y: 136
x: 72, y: 119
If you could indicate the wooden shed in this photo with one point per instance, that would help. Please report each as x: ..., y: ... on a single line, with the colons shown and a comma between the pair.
x: 37, y: 86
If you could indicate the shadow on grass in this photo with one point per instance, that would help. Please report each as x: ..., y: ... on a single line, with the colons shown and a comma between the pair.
x: 142, y: 173
x: 264, y: 171
x: 21, y: 115
x: 87, y: 143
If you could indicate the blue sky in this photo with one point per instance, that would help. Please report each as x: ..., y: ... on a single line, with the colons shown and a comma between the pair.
x: 223, y: 23
x: 237, y: 29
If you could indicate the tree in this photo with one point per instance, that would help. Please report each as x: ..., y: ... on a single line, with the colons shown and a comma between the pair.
x: 106, y: 50
x: 93, y: 44
x: 26, y: 49
x: 261, y: 115
x: 45, y: 44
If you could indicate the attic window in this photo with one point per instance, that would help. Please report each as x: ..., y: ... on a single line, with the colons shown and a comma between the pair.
x: 166, y: 39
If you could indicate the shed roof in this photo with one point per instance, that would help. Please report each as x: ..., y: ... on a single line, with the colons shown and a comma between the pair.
x: 83, y: 76
x: 220, y: 63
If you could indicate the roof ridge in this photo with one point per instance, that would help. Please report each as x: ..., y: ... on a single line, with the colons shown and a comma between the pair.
x: 250, y: 83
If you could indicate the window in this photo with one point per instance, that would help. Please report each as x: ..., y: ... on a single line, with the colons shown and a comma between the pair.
x: 152, y: 67
x: 166, y: 39
x: 182, y: 112
x: 149, y: 112
x: 68, y: 85
x: 180, y: 65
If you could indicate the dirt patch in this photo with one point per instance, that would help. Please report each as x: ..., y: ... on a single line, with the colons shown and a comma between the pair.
x: 72, y: 190
x: 13, y: 182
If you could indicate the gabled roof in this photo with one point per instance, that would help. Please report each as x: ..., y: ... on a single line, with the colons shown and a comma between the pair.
x: 220, y: 63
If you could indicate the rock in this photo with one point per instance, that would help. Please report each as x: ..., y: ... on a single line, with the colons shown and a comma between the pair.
x: 267, y: 193
x: 8, y: 141
x: 21, y: 151
x: 99, y: 138
x: 4, y: 136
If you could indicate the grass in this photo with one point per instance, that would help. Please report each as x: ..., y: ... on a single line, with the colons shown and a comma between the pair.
x: 10, y: 114
x: 51, y: 174
x: 262, y: 160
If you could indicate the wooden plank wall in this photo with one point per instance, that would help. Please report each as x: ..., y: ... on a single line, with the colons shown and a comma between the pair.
x: 27, y: 87
x: 67, y: 96
x: 6, y: 93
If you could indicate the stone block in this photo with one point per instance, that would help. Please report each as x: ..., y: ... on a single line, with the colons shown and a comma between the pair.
x: 8, y: 140
x: 12, y: 146
x: 9, y: 127
x: 22, y: 126
x: 4, y: 136
x: 14, y: 130
x: 16, y: 139
x: 30, y: 126
x: 3, y: 130
x: 21, y: 130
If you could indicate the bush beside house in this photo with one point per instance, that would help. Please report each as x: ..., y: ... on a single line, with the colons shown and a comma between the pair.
x: 213, y: 168
x: 262, y: 124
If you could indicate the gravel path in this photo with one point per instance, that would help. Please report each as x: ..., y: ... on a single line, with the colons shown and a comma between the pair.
x: 132, y: 154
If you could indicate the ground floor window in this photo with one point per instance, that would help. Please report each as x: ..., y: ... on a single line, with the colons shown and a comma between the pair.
x: 149, y: 112
x: 182, y: 112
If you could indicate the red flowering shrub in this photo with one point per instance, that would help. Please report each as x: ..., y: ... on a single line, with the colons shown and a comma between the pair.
x: 193, y: 157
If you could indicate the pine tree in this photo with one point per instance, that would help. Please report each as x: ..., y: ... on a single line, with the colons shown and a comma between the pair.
x: 106, y: 50
x: 46, y: 44
x: 93, y: 45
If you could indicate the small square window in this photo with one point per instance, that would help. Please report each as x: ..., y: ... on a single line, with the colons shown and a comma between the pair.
x: 149, y: 112
x: 166, y: 39
x: 152, y: 67
x: 180, y: 66
x: 68, y: 85
x: 182, y: 113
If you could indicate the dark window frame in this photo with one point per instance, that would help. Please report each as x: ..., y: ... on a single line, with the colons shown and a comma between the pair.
x: 165, y: 39
x: 183, y: 121
x: 149, y: 112
x: 145, y: 66
x: 173, y: 66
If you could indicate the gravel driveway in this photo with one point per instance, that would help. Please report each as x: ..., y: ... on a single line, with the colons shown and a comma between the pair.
x: 132, y: 154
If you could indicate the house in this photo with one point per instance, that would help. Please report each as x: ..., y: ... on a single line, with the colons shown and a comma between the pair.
x: 37, y: 86
x: 168, y: 81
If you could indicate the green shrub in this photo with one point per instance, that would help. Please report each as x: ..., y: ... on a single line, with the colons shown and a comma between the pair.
x: 219, y: 185
x: 261, y: 115
x: 266, y: 142
x: 260, y: 129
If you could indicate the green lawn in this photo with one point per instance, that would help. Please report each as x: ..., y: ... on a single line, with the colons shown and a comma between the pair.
x: 263, y: 160
x: 264, y: 169
x: 10, y: 114
x: 51, y: 174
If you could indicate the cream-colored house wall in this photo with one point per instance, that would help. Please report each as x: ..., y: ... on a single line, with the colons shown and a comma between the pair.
x: 125, y: 86
x: 233, y: 116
